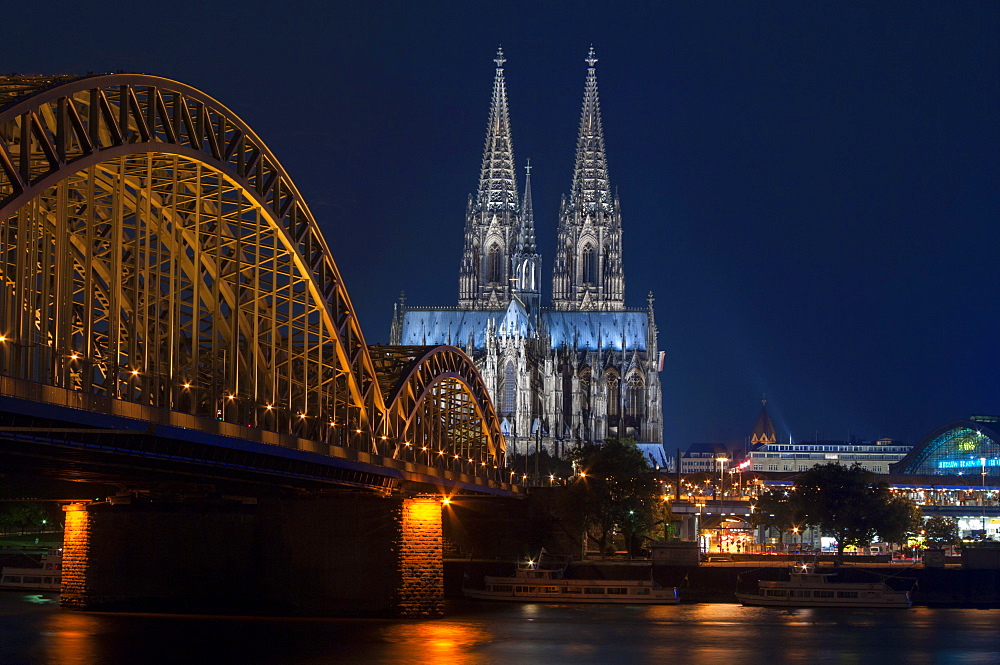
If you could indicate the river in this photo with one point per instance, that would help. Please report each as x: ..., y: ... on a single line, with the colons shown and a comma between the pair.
x: 34, y: 631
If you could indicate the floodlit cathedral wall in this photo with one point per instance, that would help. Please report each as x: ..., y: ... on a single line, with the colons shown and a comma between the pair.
x: 585, y: 368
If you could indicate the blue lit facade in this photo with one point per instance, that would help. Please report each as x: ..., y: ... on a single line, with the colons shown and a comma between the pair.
x: 963, y: 447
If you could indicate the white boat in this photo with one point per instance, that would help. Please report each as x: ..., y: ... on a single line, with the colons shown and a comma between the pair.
x: 807, y: 588
x: 546, y: 583
x: 47, y: 577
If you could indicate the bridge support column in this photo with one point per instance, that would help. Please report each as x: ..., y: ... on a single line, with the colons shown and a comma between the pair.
x: 355, y: 554
x: 158, y: 556
x: 348, y: 555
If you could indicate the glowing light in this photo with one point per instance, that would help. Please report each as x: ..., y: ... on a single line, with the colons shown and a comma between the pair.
x: 135, y: 372
x: 269, y: 407
x: 3, y: 338
x: 446, y: 501
x: 424, y: 510
x: 188, y: 385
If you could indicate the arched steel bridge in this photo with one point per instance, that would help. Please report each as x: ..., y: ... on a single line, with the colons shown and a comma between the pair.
x: 158, y: 263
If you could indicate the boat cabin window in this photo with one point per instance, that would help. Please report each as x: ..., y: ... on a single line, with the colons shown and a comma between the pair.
x: 798, y: 593
x: 775, y: 592
x: 847, y: 594
x: 640, y: 591
x: 822, y: 593
x: 594, y: 589
x: 617, y: 590
x: 12, y: 579
x: 571, y: 589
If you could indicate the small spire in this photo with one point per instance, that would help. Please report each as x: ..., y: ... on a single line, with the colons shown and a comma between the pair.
x: 526, y: 241
x: 500, y: 59
x: 591, y: 60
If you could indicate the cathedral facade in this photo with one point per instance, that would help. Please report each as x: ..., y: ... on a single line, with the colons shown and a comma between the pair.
x: 582, y: 369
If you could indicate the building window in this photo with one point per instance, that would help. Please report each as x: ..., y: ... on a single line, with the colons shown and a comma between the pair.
x: 635, y: 399
x: 614, y: 396
x: 494, y: 265
x: 589, y: 264
x: 508, y: 389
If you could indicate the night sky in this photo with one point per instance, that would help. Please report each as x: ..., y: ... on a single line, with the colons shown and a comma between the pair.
x: 810, y: 189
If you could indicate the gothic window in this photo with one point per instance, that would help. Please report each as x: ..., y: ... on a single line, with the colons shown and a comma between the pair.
x: 585, y: 381
x: 567, y: 398
x: 508, y: 390
x: 494, y: 264
x: 589, y: 264
x: 614, y: 397
x: 635, y: 399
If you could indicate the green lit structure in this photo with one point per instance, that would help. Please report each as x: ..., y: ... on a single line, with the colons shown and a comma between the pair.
x: 962, y: 447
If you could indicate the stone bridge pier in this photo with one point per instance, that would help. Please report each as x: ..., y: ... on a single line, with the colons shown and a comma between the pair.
x: 350, y: 554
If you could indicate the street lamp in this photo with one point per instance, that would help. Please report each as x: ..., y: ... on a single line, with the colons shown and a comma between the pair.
x: 722, y: 459
x: 982, y: 497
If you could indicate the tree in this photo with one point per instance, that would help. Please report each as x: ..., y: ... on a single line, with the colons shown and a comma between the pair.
x: 774, y: 509
x: 845, y: 502
x: 941, y: 531
x: 21, y: 516
x: 901, y: 519
x: 616, y: 490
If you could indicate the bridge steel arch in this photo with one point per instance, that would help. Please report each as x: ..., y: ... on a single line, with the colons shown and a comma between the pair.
x: 153, y: 250
x: 440, y: 410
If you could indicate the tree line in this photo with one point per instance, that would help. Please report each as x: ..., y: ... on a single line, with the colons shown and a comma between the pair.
x: 617, y: 497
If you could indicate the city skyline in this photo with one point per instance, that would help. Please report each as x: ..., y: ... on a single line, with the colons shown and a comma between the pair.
x: 810, y: 193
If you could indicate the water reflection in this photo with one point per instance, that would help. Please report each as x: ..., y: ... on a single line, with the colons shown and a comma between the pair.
x: 439, y: 641
x: 506, y: 634
x: 71, y: 639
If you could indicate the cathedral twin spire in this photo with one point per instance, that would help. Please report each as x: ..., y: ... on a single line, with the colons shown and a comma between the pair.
x: 500, y: 259
x: 497, y: 184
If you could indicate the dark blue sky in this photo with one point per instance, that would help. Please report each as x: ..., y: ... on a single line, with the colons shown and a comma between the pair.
x: 809, y: 189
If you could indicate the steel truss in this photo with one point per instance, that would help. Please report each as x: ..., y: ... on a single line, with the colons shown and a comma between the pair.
x: 153, y: 250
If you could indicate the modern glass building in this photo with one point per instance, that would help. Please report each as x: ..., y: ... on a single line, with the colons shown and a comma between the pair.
x: 960, y: 448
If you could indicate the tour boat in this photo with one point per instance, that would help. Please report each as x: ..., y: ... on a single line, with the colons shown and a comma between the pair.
x: 546, y: 583
x: 807, y: 588
x: 48, y: 577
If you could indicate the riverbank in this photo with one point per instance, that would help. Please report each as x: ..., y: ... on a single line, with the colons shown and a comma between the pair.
x: 717, y: 583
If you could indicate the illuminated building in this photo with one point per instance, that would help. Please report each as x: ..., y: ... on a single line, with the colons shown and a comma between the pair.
x: 795, y: 456
x: 962, y: 447
x: 583, y: 369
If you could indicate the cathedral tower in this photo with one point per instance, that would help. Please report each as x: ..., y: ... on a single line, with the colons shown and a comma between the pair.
x: 588, y: 274
x: 492, y: 220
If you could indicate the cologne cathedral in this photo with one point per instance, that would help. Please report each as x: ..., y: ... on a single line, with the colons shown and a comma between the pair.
x: 584, y: 368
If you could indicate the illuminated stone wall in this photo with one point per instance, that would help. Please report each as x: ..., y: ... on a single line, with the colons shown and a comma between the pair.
x: 421, y: 592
